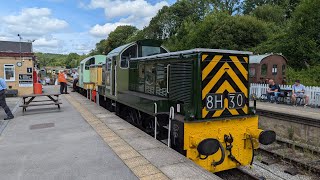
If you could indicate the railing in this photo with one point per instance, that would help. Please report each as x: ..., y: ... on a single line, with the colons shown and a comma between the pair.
x: 311, y: 91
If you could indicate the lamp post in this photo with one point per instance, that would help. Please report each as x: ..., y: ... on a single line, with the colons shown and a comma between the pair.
x: 20, y: 46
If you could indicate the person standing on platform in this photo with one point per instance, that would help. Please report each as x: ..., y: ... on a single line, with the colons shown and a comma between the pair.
x: 75, y: 77
x: 3, y: 88
x: 63, y: 82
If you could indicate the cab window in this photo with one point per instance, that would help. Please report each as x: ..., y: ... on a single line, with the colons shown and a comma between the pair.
x: 89, y: 62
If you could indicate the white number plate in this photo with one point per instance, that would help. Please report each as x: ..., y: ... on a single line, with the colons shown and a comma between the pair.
x: 236, y: 100
x: 216, y: 101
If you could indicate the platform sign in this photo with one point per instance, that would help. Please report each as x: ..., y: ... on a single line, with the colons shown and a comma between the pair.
x: 25, y: 80
x: 29, y: 70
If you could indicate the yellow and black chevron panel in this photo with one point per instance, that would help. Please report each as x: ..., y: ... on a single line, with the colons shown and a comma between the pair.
x: 224, y: 85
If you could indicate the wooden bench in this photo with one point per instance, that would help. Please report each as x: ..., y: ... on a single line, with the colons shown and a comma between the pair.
x: 53, y: 99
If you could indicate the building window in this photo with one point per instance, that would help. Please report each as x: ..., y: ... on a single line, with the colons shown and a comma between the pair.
x: 283, y: 69
x: 252, y: 72
x: 264, y: 69
x: 9, y: 72
x: 274, y: 69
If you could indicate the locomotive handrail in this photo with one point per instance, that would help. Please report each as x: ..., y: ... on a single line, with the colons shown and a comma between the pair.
x: 155, y: 120
x: 168, y: 66
x: 171, y: 116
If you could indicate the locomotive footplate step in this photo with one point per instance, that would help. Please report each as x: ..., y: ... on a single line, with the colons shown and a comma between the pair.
x: 269, y: 161
x: 292, y: 171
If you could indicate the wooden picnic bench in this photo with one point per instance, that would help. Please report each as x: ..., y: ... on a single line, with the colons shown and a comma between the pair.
x: 52, y: 97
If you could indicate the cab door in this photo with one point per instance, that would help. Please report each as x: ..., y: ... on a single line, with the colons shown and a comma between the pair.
x: 113, y: 75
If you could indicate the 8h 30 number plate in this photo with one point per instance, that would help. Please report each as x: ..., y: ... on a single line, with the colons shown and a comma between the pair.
x: 216, y: 101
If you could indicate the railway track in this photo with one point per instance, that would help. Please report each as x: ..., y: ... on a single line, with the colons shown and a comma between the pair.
x: 289, y: 117
x: 236, y: 174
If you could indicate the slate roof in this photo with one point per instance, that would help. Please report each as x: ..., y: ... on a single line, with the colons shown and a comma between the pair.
x: 14, y: 47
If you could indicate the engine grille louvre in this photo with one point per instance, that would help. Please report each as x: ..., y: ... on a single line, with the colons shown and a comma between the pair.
x: 180, y: 82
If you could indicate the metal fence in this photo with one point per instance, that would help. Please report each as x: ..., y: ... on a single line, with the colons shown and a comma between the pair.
x: 313, y: 92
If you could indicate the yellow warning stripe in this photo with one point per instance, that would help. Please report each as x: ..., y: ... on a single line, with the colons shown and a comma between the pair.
x: 239, y: 83
x: 214, y: 80
x: 246, y: 59
x: 243, y: 71
x: 210, y: 66
x: 204, y: 57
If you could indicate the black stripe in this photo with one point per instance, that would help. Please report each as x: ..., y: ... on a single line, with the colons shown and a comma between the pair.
x: 238, y: 73
x: 225, y: 77
x: 241, y: 59
x: 226, y: 112
x: 212, y: 74
x: 241, y: 112
x: 210, y: 114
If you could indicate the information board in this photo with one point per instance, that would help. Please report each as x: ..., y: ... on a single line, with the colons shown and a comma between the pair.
x: 25, y: 80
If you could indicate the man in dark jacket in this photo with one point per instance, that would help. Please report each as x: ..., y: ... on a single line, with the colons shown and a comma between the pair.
x: 273, y: 90
x: 3, y: 104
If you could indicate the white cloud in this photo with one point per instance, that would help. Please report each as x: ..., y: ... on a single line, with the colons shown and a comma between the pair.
x: 130, y: 12
x: 46, y: 42
x: 33, y: 22
x: 104, y: 30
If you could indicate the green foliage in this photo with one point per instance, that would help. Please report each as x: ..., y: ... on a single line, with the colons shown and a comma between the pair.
x: 222, y: 31
x: 270, y: 13
x: 308, y: 77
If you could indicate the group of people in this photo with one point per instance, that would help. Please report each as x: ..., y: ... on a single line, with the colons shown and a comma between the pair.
x: 62, y: 79
x: 298, y: 91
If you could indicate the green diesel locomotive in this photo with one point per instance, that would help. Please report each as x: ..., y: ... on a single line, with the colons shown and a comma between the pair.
x: 195, y: 101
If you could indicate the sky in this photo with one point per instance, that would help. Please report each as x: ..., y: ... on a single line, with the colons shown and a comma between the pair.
x: 65, y: 26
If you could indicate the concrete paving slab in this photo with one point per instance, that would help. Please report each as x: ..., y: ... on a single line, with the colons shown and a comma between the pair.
x: 70, y: 149
x: 143, y: 143
x: 120, y: 126
x: 110, y: 119
x: 180, y: 171
x: 130, y: 133
x: 162, y: 156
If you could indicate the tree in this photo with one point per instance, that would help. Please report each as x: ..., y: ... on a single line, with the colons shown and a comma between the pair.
x: 119, y: 37
x: 222, y: 31
x: 270, y: 13
x: 229, y: 6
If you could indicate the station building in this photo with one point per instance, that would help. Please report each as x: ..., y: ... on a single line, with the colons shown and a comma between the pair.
x: 16, y: 66
x: 267, y: 66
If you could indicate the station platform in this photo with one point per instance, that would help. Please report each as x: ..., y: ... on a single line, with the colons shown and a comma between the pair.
x: 312, y: 113
x: 85, y: 141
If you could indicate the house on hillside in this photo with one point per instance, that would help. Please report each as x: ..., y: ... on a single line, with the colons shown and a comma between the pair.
x: 267, y: 66
x: 16, y: 65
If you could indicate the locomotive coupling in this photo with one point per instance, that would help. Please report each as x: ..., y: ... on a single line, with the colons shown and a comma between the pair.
x: 265, y: 137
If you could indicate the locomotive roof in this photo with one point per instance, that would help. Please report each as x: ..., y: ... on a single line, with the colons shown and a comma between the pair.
x: 192, y: 51
x: 97, y: 57
x: 119, y: 49
x: 256, y: 59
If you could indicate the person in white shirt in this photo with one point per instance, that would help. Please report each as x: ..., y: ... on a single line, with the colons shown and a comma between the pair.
x: 75, y: 77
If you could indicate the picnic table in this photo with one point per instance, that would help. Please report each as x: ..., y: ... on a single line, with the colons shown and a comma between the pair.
x: 286, y: 93
x: 28, y: 99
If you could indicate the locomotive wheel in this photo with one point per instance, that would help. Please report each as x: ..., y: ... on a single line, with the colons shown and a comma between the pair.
x: 150, y: 126
x: 134, y: 117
